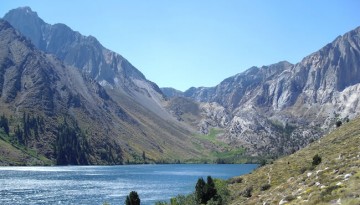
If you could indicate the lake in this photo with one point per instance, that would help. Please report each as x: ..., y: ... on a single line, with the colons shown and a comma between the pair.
x: 99, y: 184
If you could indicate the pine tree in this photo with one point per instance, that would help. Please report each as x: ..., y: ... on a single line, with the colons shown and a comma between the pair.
x: 132, y: 199
x: 210, y: 190
x: 4, y: 123
x: 206, y: 191
x: 199, y: 191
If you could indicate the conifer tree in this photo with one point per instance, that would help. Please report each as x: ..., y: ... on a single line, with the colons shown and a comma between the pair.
x: 132, y: 199
x: 199, y: 191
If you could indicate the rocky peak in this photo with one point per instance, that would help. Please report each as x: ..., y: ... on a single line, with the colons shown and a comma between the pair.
x: 30, y: 22
x: 108, y: 68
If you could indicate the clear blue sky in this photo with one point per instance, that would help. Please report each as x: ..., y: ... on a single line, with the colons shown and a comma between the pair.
x: 184, y: 43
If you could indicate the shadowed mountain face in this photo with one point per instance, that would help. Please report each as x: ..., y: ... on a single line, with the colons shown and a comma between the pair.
x: 93, y: 107
x: 281, y: 107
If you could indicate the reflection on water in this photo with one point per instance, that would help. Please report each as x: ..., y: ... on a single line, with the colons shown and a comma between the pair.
x: 97, y: 184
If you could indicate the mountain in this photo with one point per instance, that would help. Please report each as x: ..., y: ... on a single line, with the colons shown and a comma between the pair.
x: 60, y: 108
x: 86, y: 53
x: 171, y: 92
x: 280, y: 108
x: 301, y: 178
x: 269, y: 110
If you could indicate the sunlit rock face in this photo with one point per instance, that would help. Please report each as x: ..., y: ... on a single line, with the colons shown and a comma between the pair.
x: 281, y: 107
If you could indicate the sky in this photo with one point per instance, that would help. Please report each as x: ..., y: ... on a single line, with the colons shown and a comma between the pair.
x: 193, y: 43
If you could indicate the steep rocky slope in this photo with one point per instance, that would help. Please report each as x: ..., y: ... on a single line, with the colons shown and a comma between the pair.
x: 282, y: 107
x: 299, y: 179
x: 86, y: 53
x: 59, y: 112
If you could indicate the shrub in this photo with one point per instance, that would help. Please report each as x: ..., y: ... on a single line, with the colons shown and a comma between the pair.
x: 316, y: 160
x: 328, y: 190
x: 265, y: 187
x: 303, y: 170
x: 235, y: 180
x: 289, y: 198
x: 247, y: 192
x: 338, y: 123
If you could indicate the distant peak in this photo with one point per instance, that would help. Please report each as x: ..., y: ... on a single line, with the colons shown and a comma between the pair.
x: 25, y: 10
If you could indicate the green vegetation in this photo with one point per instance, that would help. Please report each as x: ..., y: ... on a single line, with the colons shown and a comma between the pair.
x: 220, y: 152
x: 205, y: 192
x: 316, y: 160
x: 325, y: 172
x: 132, y: 199
x: 71, y: 145
x: 212, y: 192
x: 15, y: 147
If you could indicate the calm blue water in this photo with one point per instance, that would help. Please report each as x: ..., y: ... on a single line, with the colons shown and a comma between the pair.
x: 97, y: 184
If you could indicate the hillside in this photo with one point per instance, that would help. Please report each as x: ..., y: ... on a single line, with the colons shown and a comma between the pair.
x: 294, y: 180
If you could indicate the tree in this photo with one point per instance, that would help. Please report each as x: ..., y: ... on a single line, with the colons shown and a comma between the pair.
x: 132, y: 199
x: 204, y: 192
x: 210, y: 190
x: 144, y: 156
x: 199, y: 191
x: 4, y: 123
x: 71, y: 145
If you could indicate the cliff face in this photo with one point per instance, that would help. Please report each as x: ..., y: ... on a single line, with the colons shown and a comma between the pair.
x: 281, y: 107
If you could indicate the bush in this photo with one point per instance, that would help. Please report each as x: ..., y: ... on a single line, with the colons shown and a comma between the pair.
x: 265, y: 187
x: 338, y: 123
x: 235, y: 180
x: 289, y: 198
x: 316, y: 160
x: 247, y: 192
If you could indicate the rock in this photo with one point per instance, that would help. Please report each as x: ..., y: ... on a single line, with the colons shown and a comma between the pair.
x: 309, y: 174
x: 283, y: 201
x: 347, y: 176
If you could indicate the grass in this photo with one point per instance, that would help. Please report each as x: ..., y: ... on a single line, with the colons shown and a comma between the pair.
x: 219, y: 151
x: 293, y: 178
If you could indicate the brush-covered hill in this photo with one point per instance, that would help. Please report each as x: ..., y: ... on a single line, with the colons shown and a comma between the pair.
x: 298, y: 179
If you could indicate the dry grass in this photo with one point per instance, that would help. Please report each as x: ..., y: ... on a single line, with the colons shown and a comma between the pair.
x: 294, y: 179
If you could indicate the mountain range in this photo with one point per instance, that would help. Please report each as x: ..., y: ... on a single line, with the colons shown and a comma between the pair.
x: 57, y: 83
x: 282, y: 107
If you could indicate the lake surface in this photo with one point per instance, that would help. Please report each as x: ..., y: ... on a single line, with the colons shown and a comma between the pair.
x: 99, y: 184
